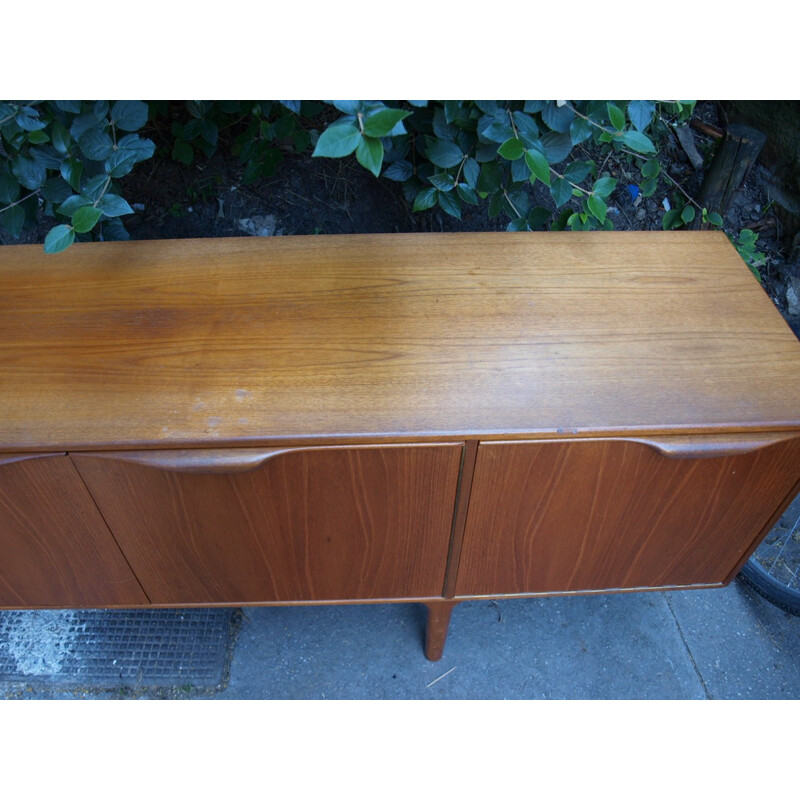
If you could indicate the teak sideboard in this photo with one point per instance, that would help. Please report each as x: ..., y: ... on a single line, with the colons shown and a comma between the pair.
x: 374, y: 418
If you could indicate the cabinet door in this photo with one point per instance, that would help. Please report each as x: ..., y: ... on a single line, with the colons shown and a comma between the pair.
x: 248, y: 525
x: 618, y: 514
x: 55, y: 548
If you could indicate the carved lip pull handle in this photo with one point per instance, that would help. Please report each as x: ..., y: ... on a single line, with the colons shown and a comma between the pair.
x: 10, y: 458
x: 712, y: 446
x: 223, y: 460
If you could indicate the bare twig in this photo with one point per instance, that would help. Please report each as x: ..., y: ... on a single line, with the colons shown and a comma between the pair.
x: 436, y: 680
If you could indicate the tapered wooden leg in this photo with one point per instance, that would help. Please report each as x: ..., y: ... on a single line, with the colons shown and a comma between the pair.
x: 439, y: 613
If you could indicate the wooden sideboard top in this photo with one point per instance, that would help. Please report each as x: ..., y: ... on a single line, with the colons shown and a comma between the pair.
x: 316, y: 339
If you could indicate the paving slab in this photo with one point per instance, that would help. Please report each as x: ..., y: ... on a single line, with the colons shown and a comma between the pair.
x: 742, y: 645
x: 706, y: 644
x: 602, y: 646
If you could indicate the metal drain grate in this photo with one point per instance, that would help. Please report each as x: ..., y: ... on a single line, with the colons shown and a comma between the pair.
x: 142, y: 648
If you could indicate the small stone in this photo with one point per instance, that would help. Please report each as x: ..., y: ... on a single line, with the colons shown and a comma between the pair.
x: 258, y: 226
x: 793, y: 297
x: 641, y: 214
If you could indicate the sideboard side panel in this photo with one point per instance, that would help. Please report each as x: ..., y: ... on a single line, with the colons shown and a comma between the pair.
x: 55, y: 549
x: 306, y: 525
x: 571, y: 516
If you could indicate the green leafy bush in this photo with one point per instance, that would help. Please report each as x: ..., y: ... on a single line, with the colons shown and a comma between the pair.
x: 263, y: 131
x: 458, y: 152
x: 67, y: 156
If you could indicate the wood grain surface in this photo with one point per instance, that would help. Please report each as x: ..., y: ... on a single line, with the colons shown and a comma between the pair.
x: 307, y: 525
x: 327, y: 339
x: 593, y: 515
x: 55, y: 548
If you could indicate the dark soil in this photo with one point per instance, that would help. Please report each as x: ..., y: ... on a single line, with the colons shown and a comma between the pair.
x: 313, y: 196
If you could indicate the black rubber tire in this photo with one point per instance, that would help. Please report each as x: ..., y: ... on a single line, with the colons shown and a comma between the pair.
x: 777, y: 593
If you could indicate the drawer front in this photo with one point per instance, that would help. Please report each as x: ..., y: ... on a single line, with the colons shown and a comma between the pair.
x: 559, y: 516
x: 239, y: 526
x: 55, y: 548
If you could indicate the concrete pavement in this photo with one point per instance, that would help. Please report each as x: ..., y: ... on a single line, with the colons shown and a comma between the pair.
x: 705, y: 644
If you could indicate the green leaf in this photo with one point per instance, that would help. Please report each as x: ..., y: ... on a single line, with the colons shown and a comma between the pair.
x: 651, y: 168
x: 425, y: 199
x: 537, y: 163
x: 519, y: 224
x: 443, y: 154
x: 534, y: 106
x: 640, y: 113
x: 28, y: 172
x: 672, y: 219
x: 347, y: 106
x: 85, y: 218
x: 369, y: 154
x: 59, y: 238
x: 60, y: 138
x: 209, y: 131
x: 70, y: 106
x: 527, y: 128
x: 512, y: 149
x: 495, y: 127
x: 112, y: 205
x: 129, y: 115
x: 580, y: 130
x: 71, y: 171
x: 597, y: 207
x: 96, y: 144
x: 337, y: 141
x: 562, y: 220
x: 38, y: 137
x: 746, y: 236
x: 714, y: 219
x: 9, y: 188
x: 649, y: 187
x: 114, y: 231
x: 604, y: 186
x: 381, y: 123
x: 28, y: 119
x: 487, y: 106
x: 538, y: 217
x: 72, y: 204
x: 399, y: 171
x: 100, y: 109
x: 489, y: 178
x: 578, y: 171
x: 142, y: 148
x: 449, y: 204
x: 443, y: 181
x: 557, y: 118
x: 467, y: 194
x: 496, y: 205
x: 687, y: 215
x: 46, y: 156
x: 182, y: 152
x: 557, y: 146
x: 81, y: 124
x: 638, y: 142
x: 616, y: 115
x: 120, y: 163
x: 13, y: 219
x: 95, y: 187
x: 56, y: 190
x: 561, y: 191
x: 471, y: 172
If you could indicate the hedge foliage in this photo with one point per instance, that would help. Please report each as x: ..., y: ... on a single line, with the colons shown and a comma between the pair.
x: 65, y: 158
